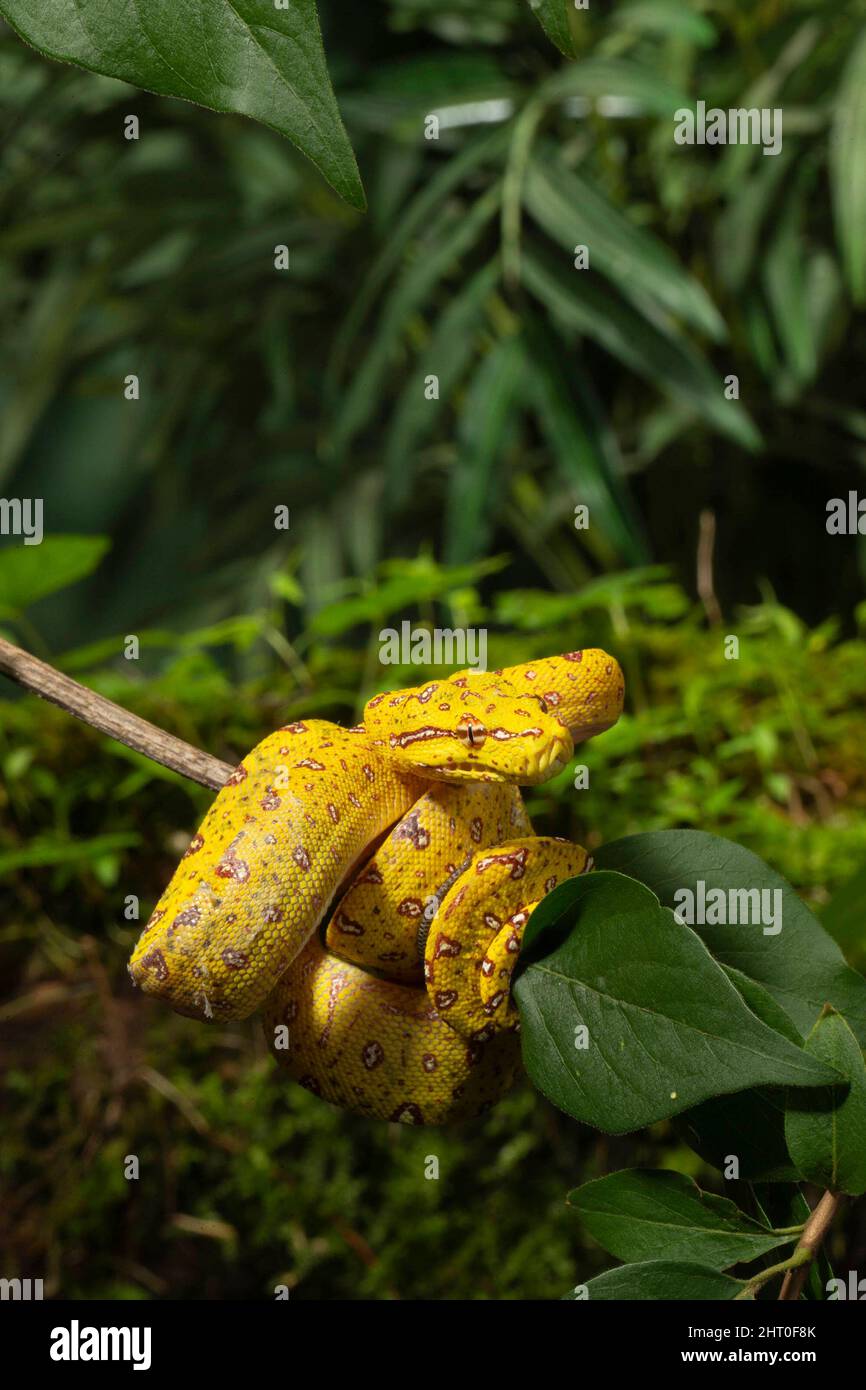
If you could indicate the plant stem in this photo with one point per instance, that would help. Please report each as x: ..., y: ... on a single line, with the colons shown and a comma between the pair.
x: 799, y: 1257
x: 814, y: 1234
x: 111, y: 719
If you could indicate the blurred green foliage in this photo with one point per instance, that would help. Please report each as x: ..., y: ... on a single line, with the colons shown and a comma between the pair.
x: 556, y: 386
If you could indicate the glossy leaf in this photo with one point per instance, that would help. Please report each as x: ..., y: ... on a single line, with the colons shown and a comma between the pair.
x: 245, y: 56
x: 644, y: 1214
x: 627, y: 1019
x: 800, y: 966
x: 552, y: 15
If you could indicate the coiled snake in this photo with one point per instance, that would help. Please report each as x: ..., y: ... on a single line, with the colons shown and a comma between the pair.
x: 403, y: 1010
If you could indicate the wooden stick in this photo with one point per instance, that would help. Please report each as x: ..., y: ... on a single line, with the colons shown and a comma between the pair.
x: 109, y: 718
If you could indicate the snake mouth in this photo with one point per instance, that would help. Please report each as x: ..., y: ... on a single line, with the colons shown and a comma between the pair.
x: 548, y: 761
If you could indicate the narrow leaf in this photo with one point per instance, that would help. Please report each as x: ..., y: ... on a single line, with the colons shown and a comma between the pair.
x: 593, y: 308
x: 848, y: 169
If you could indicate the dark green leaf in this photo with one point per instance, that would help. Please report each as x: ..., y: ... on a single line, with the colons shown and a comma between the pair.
x: 575, y: 212
x: 800, y: 966
x: 485, y: 426
x: 644, y: 1215
x: 552, y: 15
x: 659, y: 1280
x: 826, y: 1129
x: 587, y: 305
x: 748, y: 1127
x: 245, y: 56
x: 447, y: 355
x: 664, y: 1027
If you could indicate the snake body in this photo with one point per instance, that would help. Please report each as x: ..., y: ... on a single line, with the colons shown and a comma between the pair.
x: 403, y: 1010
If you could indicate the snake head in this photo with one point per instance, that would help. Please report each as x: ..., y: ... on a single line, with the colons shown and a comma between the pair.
x: 451, y: 733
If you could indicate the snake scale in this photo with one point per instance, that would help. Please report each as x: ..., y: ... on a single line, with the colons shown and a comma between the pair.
x: 393, y: 999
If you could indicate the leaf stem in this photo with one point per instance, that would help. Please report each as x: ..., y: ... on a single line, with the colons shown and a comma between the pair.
x: 800, y: 1256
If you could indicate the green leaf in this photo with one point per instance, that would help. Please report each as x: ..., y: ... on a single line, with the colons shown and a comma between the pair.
x: 800, y: 966
x: 666, y: 18
x: 552, y: 15
x: 644, y: 1215
x: 826, y: 1129
x: 485, y: 427
x: 664, y: 1027
x: 404, y: 583
x: 749, y: 1126
x: 43, y: 853
x: 582, y: 444
x: 584, y: 304
x: 599, y: 80
x: 244, y: 56
x: 575, y: 212
x: 447, y: 354
x: 659, y: 1280
x: 31, y: 572
x: 848, y: 169
x: 450, y: 237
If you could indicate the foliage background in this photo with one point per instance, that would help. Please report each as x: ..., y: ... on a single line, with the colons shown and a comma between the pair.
x: 306, y: 389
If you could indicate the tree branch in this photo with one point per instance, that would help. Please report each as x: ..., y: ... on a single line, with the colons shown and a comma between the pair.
x: 814, y: 1233
x: 111, y: 719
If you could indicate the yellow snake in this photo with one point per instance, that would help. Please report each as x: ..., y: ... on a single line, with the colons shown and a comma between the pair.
x: 403, y: 1010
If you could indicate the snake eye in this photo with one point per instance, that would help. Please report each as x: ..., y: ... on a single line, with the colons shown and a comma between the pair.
x: 543, y: 703
x: 471, y: 731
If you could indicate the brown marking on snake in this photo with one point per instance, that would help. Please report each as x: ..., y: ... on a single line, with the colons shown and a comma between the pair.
x: 235, y: 960
x: 155, y: 961
x: 407, y: 1113
x: 515, y: 857
x: 410, y: 829
x: 372, y: 1055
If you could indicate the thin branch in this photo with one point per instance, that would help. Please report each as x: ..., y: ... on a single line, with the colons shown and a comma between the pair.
x: 814, y: 1233
x: 705, y: 583
x: 111, y: 719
